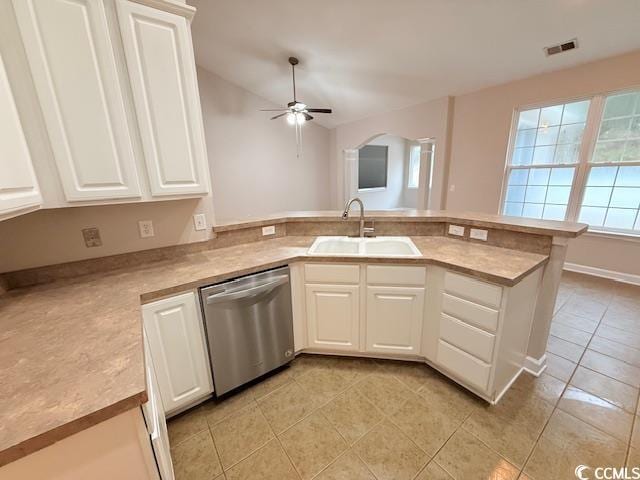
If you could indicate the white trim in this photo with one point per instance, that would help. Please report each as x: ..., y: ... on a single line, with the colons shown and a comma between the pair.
x: 372, y: 189
x: 535, y: 366
x: 507, y: 386
x: 601, y: 272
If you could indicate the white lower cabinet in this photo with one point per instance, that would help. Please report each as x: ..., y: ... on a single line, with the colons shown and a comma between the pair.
x: 333, y: 316
x: 394, y: 319
x: 177, y: 344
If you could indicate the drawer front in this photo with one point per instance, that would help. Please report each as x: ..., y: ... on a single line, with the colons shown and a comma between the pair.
x: 396, y: 275
x: 465, y: 367
x: 331, y: 273
x: 472, y: 289
x: 470, y: 339
x: 483, y: 317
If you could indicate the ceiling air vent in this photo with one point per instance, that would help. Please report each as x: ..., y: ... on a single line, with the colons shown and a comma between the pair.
x: 562, y: 47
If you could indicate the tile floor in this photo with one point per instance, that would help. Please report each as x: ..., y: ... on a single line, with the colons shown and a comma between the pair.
x: 345, y: 418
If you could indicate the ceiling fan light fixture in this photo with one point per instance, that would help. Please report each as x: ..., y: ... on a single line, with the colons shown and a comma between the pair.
x: 299, y: 106
x: 300, y: 118
x: 291, y: 118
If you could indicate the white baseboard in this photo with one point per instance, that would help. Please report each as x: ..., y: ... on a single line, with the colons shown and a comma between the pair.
x: 507, y: 386
x: 535, y: 366
x: 601, y: 272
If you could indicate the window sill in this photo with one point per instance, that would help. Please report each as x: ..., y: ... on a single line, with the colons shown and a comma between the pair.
x: 628, y: 237
x: 374, y: 189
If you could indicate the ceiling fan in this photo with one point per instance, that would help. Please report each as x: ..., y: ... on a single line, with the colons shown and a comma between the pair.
x: 297, y: 113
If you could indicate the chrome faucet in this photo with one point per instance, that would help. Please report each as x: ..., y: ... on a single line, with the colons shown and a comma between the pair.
x: 364, y: 231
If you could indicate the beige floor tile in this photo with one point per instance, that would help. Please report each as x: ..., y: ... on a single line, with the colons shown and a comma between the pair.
x: 466, y: 457
x: 323, y: 384
x: 635, y: 438
x: 389, y: 454
x: 270, y: 383
x: 241, y: 434
x: 286, y: 406
x: 545, y: 386
x: 450, y: 397
x: 433, y: 471
x: 567, y: 442
x: 633, y: 460
x: 186, y: 425
x: 427, y: 425
x: 583, y: 306
x: 597, y: 412
x: 612, y: 367
x: 620, y: 394
x: 621, y: 336
x: 268, y: 463
x: 559, y: 367
x: 574, y: 321
x: 564, y: 349
x: 570, y: 334
x: 615, y: 350
x: 217, y: 410
x: 352, y: 415
x: 304, y: 363
x: 627, y: 320
x: 412, y: 374
x: 354, y: 369
x: 196, y: 458
x: 511, y: 427
x: 312, y: 444
x: 385, y: 392
x: 346, y: 467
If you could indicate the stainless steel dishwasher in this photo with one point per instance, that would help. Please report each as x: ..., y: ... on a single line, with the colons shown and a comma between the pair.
x: 249, y: 325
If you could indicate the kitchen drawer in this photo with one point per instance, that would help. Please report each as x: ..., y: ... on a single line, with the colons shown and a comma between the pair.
x: 470, y: 312
x: 472, y: 289
x: 470, y: 339
x: 331, y: 273
x: 396, y: 275
x: 465, y: 367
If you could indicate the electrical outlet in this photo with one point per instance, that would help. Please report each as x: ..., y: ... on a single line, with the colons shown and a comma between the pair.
x: 270, y: 230
x: 199, y: 221
x: 456, y: 230
x: 91, y: 237
x: 452, y: 188
x: 478, y: 234
x: 146, y: 228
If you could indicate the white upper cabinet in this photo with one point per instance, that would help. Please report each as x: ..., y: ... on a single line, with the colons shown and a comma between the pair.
x: 71, y: 57
x: 161, y: 65
x: 18, y: 185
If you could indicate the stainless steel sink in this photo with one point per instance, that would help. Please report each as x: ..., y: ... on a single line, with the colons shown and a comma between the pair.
x: 364, y: 247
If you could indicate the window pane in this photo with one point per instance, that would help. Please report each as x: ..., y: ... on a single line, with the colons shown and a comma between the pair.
x: 550, y: 116
x: 532, y: 210
x: 632, y: 151
x: 526, y: 138
x: 620, y: 218
x: 602, y: 176
x: 615, y: 129
x: 543, y: 155
x: 575, y: 112
x: 536, y: 194
x: 539, y: 176
x: 594, y: 216
x: 620, y: 105
x: 628, y: 177
x: 619, y: 135
x: 528, y: 119
x: 634, y: 130
x: 608, y: 152
x: 547, y: 136
x: 554, y: 212
x: 414, y: 167
x: 513, y: 209
x: 519, y: 176
x: 625, y: 197
x: 561, y: 176
x: 515, y: 194
x: 571, y: 133
x: 558, y: 195
x: 596, y: 196
x: 566, y: 154
x: 522, y: 156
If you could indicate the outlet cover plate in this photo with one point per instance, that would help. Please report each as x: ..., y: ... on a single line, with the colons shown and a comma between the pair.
x: 269, y: 230
x: 478, y: 234
x: 199, y: 221
x: 456, y: 230
x: 146, y: 228
x: 91, y: 237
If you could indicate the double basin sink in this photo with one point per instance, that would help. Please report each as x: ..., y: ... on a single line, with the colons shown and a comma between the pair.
x: 364, y: 247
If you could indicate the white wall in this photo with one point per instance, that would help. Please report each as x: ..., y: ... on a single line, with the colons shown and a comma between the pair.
x: 392, y: 196
x: 253, y: 160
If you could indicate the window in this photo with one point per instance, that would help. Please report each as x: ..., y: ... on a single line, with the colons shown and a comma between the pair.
x: 372, y: 167
x: 413, y: 174
x: 577, y: 161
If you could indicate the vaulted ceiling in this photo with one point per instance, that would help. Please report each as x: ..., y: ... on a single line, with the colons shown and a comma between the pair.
x: 361, y: 57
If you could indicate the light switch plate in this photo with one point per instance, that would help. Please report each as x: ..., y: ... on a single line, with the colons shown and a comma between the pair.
x: 200, y: 221
x: 269, y: 230
x: 456, y: 230
x: 478, y: 234
x: 146, y: 228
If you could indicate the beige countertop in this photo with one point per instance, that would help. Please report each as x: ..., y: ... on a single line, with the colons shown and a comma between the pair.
x: 71, y: 351
x: 516, y: 224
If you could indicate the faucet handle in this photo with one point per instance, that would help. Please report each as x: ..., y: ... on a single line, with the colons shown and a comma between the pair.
x: 370, y: 231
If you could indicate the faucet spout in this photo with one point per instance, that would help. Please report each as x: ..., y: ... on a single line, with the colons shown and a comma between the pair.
x: 345, y: 213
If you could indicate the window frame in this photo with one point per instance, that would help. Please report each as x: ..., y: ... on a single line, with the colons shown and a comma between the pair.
x: 582, y: 167
x: 412, y: 147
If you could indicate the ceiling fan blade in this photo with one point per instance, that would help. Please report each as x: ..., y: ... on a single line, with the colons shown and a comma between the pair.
x: 319, y: 110
x: 273, y: 109
x: 307, y: 116
x: 278, y: 116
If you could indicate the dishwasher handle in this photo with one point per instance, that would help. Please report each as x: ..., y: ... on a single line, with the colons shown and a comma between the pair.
x: 249, y: 292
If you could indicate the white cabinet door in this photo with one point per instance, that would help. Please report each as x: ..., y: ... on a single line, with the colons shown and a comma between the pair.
x: 18, y: 185
x: 333, y: 315
x: 155, y: 418
x: 161, y: 66
x: 178, y: 348
x: 394, y: 319
x: 71, y: 58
